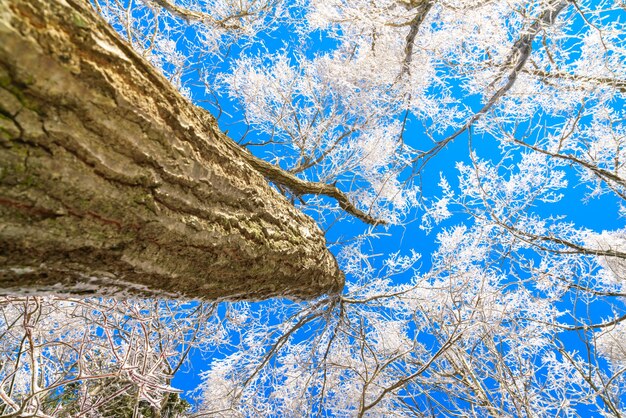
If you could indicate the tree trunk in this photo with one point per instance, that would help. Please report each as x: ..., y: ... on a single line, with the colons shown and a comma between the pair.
x: 111, y: 182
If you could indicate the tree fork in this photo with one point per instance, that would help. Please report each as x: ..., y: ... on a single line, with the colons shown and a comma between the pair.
x: 111, y: 182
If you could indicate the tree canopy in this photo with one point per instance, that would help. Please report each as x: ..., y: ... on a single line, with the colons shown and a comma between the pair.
x: 466, y: 161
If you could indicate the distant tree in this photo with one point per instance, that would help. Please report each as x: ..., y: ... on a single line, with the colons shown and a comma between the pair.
x: 518, y: 311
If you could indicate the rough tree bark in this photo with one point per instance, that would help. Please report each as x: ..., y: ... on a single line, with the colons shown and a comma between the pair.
x: 110, y: 181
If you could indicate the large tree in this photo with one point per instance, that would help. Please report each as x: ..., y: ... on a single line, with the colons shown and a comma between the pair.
x: 111, y: 181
